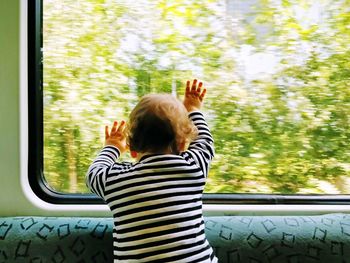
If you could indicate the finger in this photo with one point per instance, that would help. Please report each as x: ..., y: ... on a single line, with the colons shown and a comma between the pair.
x: 114, y: 128
x: 121, y: 127
x: 106, y: 132
x: 199, y: 87
x: 188, y: 86
x: 194, y: 83
x: 203, y: 94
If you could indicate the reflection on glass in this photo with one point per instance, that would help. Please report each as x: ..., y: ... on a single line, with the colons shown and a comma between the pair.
x: 277, y: 74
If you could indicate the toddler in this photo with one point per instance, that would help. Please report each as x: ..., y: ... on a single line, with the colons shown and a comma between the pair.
x: 157, y: 201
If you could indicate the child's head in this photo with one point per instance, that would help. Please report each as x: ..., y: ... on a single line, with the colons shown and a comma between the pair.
x: 159, y: 124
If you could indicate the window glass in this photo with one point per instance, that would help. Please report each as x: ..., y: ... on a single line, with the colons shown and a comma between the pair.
x: 277, y: 74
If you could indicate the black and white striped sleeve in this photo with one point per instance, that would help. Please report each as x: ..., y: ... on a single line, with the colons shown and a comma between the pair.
x: 98, y: 170
x: 202, y: 148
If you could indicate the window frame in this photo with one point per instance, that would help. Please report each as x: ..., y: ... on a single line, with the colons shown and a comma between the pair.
x: 36, y: 154
x: 35, y: 116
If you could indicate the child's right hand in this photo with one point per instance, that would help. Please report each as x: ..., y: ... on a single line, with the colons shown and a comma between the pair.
x: 194, y: 95
x: 117, y: 136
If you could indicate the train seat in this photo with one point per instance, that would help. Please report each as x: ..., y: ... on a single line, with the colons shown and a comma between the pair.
x: 251, y: 239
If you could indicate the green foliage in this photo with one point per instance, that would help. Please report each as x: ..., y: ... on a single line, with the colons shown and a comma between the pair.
x: 277, y: 74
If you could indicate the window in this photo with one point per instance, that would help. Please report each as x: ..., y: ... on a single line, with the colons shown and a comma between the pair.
x: 277, y: 74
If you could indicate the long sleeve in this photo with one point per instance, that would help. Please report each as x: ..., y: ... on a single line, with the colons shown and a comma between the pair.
x: 98, y: 170
x: 202, y: 148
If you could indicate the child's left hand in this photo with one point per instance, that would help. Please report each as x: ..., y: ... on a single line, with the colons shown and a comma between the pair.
x: 194, y: 95
x: 117, y: 136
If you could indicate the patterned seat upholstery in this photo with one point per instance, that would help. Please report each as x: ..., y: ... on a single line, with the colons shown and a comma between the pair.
x: 289, y: 239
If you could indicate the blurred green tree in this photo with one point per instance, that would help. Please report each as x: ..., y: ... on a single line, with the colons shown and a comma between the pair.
x: 277, y: 74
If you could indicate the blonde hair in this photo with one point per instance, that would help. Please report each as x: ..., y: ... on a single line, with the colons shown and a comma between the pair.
x: 159, y: 123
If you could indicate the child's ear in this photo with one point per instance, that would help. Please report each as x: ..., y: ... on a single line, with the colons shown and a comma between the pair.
x: 182, y: 146
x: 133, y: 154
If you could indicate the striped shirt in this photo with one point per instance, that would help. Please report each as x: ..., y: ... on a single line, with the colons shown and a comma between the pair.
x: 157, y: 201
